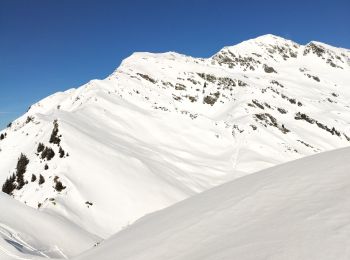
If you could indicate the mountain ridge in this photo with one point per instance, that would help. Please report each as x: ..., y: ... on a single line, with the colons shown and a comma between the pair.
x: 163, y: 127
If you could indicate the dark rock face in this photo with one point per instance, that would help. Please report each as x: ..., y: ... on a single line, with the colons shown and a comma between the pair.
x: 268, y: 69
x: 266, y: 119
x: 328, y: 55
x: 313, y: 48
x: 231, y: 60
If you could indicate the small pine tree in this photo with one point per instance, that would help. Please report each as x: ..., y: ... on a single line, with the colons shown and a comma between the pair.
x: 41, y: 179
x: 54, y: 138
x: 29, y: 119
x: 46, y: 167
x: 40, y: 148
x: 47, y: 153
x: 21, y: 168
x: 59, y: 186
x: 33, y: 178
x: 9, y: 185
x: 61, y: 151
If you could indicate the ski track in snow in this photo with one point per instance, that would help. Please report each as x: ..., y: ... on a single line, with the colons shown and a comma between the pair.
x: 13, y: 237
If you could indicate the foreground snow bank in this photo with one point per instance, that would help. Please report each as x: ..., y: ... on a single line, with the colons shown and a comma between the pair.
x: 298, y: 210
x: 26, y: 233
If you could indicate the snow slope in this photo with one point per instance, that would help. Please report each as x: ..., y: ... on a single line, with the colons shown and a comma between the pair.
x: 163, y: 127
x: 26, y: 233
x: 297, y: 210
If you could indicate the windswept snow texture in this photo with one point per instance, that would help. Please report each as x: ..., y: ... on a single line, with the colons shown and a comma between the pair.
x: 26, y: 233
x: 298, y: 210
x: 163, y: 127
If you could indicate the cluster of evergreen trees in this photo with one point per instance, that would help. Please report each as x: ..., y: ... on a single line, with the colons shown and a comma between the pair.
x: 16, y: 180
x: 55, y: 138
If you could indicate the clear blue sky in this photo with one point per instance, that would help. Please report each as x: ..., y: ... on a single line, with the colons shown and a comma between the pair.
x: 52, y: 45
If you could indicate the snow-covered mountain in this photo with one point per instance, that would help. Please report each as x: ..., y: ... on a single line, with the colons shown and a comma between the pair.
x: 298, y: 210
x: 163, y: 127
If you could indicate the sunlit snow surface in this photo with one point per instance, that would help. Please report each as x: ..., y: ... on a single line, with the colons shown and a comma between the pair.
x: 164, y: 127
x: 297, y: 210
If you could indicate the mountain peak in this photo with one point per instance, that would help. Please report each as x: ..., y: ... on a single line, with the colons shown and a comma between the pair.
x: 270, y: 37
x: 264, y: 40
